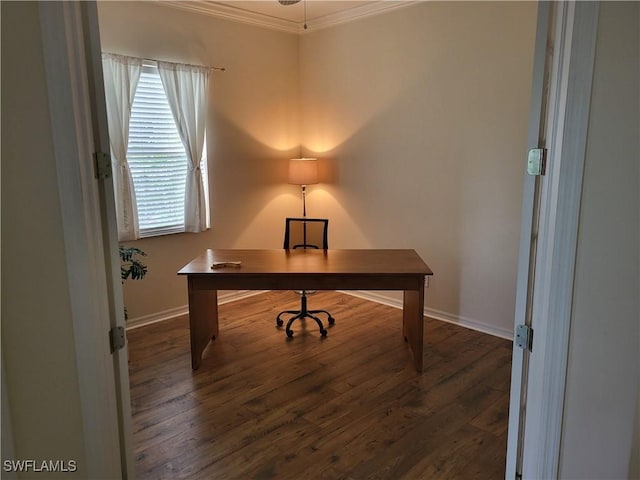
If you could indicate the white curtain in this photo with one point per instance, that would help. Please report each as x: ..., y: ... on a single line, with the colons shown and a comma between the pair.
x: 121, y: 75
x: 186, y: 87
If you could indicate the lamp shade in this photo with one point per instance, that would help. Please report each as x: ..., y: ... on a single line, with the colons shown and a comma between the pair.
x: 303, y: 171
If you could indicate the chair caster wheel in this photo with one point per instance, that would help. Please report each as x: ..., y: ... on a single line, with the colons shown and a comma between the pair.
x: 323, y: 332
x: 279, y: 322
x: 332, y: 320
x: 290, y: 333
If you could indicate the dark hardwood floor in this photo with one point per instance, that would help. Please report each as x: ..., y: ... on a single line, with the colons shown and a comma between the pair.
x: 349, y: 406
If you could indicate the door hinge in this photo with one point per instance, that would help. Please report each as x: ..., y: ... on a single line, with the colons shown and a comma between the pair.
x: 117, y: 338
x: 524, y: 337
x: 103, y: 165
x: 537, y: 161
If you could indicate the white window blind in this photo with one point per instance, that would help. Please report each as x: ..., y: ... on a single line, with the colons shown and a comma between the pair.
x: 157, y: 159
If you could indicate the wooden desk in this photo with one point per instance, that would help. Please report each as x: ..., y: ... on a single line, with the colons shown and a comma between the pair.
x: 304, y: 270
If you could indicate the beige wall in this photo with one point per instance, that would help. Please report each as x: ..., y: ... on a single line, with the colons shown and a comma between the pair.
x: 38, y: 352
x: 604, y: 364
x: 419, y: 117
x: 253, y: 131
x: 423, y: 113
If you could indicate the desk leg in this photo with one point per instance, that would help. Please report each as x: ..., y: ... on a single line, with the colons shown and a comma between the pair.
x: 203, y: 321
x: 413, y: 324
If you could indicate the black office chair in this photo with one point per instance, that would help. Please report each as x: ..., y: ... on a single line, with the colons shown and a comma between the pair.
x: 305, y: 233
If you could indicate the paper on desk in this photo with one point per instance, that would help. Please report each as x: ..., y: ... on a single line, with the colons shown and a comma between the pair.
x: 225, y: 264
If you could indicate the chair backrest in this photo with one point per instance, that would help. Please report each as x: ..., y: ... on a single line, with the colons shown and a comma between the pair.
x: 306, y: 233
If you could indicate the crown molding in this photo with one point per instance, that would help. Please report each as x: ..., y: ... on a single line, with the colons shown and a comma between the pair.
x: 355, y: 13
x: 235, y: 14
x: 219, y: 10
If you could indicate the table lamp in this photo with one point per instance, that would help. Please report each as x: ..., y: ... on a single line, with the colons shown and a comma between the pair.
x: 303, y: 172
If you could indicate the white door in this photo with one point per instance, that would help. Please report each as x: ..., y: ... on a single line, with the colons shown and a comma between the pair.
x: 566, y: 38
x: 73, y: 74
x: 528, y: 237
x: 110, y: 233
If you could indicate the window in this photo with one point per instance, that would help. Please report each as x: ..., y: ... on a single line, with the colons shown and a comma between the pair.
x: 157, y: 159
x: 160, y: 186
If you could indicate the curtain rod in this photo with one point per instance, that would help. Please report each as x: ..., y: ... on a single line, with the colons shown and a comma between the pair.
x: 222, y: 69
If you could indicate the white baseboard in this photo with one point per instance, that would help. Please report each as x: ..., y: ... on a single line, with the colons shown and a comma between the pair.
x: 232, y: 296
x: 223, y: 297
x: 157, y: 317
x: 435, y: 314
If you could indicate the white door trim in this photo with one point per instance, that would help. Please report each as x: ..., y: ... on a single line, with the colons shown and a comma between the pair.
x: 575, y: 34
x: 528, y: 235
x: 552, y: 302
x: 66, y: 77
x: 110, y: 233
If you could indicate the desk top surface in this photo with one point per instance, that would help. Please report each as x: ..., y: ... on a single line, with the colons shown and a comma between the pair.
x: 343, y: 262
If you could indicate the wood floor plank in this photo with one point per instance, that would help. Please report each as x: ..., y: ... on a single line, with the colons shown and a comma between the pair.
x: 455, y: 451
x: 349, y: 406
x: 495, y: 418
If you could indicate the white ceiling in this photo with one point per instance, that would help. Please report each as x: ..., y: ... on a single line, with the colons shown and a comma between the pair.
x: 271, y: 14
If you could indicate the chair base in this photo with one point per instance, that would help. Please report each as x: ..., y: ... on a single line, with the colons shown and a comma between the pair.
x: 304, y: 312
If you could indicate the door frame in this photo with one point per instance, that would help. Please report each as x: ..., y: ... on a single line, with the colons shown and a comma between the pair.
x: 537, y: 401
x: 528, y: 236
x: 107, y: 428
x: 96, y: 305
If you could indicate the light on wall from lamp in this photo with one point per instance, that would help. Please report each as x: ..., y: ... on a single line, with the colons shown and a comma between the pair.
x: 303, y: 172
